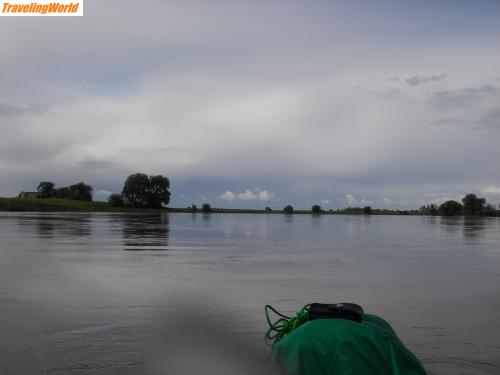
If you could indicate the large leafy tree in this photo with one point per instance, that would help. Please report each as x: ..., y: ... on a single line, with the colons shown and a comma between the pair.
x: 158, y: 193
x: 135, y: 190
x: 80, y: 191
x: 46, y: 189
x: 316, y: 208
x: 473, y: 205
x: 141, y: 191
x: 450, y: 208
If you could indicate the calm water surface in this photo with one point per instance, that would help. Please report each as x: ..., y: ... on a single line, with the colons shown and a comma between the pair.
x: 80, y: 293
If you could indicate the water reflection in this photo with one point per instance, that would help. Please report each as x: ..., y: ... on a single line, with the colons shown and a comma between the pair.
x: 57, y: 225
x: 145, y: 232
x: 473, y: 226
x: 450, y: 224
x: 316, y: 220
x: 469, y: 226
x: 206, y: 217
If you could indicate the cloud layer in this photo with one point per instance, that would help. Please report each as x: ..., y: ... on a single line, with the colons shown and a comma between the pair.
x: 232, y: 95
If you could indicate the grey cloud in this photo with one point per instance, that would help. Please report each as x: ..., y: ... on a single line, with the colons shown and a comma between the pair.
x: 467, y: 97
x: 8, y: 110
x: 20, y: 150
x: 471, y: 107
x: 492, y: 118
x: 488, y: 120
x: 419, y: 79
x: 101, y: 164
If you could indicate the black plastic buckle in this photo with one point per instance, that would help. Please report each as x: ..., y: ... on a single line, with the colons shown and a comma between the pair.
x: 349, y: 311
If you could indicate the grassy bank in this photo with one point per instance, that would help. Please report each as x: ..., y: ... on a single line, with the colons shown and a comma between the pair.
x: 60, y: 205
x: 67, y: 205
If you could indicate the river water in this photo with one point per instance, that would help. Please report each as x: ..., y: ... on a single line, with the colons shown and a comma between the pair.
x: 92, y: 293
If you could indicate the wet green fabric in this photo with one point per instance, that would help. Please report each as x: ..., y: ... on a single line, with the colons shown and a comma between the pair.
x: 344, y: 347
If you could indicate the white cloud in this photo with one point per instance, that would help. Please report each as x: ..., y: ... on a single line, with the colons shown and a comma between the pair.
x: 494, y: 190
x: 103, y: 192
x: 227, y: 196
x: 325, y: 201
x: 100, y: 195
x: 256, y: 194
x: 264, y: 195
x: 247, y: 195
x: 351, y: 200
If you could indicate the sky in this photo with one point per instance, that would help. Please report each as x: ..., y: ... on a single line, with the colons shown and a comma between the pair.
x: 250, y: 104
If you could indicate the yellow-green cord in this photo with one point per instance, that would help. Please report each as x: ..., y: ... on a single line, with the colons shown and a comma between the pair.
x: 284, y: 325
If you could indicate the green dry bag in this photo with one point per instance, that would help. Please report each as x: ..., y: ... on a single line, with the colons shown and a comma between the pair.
x: 344, y: 347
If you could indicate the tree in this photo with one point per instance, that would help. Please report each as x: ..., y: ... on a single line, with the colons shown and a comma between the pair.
x: 80, y: 191
x: 62, y: 192
x: 116, y: 200
x: 316, y: 209
x: 430, y: 208
x: 206, y: 207
x: 158, y: 194
x: 194, y: 208
x: 489, y: 210
x: 288, y: 209
x: 268, y: 209
x: 473, y: 205
x: 46, y: 189
x: 135, y: 189
x: 141, y: 191
x: 433, y: 209
x: 367, y: 210
x: 450, y: 208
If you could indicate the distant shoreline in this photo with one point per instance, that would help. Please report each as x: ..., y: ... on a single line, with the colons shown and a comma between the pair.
x: 66, y: 205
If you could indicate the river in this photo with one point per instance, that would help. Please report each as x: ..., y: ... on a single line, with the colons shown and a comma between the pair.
x: 91, y: 293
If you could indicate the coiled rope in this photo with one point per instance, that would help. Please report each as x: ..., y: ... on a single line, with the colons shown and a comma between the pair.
x: 284, y: 325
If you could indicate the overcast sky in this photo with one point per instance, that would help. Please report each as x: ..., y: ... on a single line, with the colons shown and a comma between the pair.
x: 257, y: 103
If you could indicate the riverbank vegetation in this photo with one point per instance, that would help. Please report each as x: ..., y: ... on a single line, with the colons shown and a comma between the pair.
x: 52, y: 205
x: 69, y: 205
x: 471, y: 205
x: 143, y: 193
x: 48, y: 190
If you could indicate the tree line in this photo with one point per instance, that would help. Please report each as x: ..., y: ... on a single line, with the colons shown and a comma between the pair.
x: 78, y: 191
x: 143, y: 191
x: 139, y: 191
x: 471, y: 205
